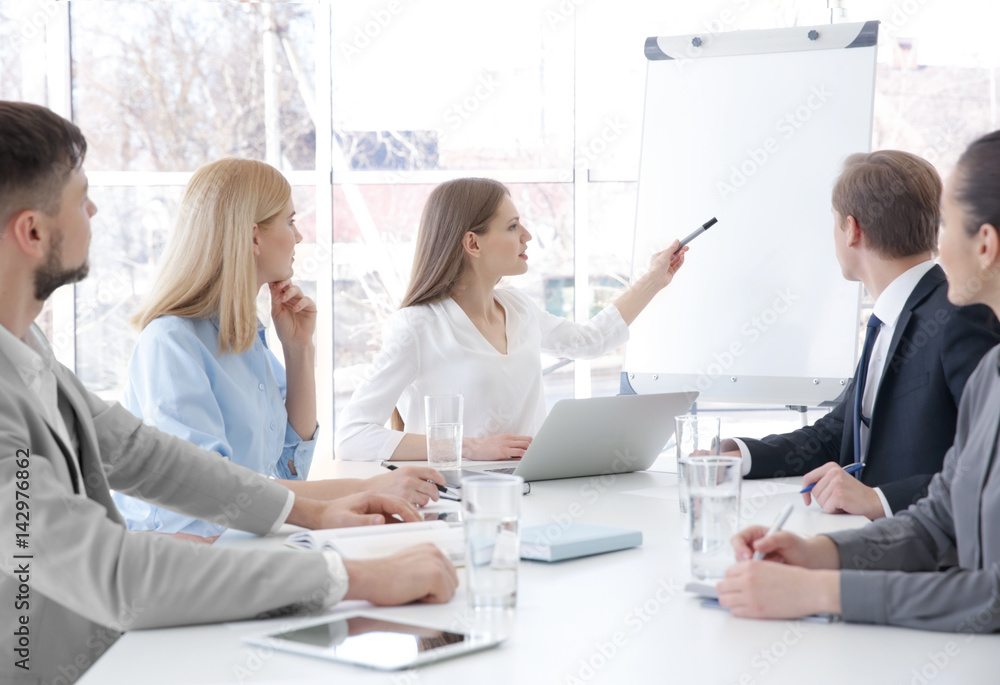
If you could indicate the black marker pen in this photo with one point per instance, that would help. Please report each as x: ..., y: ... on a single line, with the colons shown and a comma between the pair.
x: 701, y: 229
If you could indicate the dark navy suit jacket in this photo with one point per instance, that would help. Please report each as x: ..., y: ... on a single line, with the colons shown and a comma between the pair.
x: 935, y: 348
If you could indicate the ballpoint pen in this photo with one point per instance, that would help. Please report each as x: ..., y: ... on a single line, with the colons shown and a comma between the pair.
x: 775, y: 527
x: 850, y: 468
x: 441, y: 488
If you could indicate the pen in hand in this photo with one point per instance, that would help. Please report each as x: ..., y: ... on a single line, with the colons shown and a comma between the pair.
x: 697, y: 232
x: 850, y: 468
x: 775, y: 527
x: 441, y: 488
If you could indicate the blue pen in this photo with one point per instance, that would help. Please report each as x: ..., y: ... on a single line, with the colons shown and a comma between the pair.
x: 850, y: 468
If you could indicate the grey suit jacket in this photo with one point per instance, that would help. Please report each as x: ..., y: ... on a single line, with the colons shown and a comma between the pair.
x: 892, y: 569
x: 87, y: 578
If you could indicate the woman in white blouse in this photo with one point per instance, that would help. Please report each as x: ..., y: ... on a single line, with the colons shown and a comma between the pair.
x: 457, y: 333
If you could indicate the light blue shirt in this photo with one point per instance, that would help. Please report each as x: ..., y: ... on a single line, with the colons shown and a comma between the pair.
x: 233, y: 404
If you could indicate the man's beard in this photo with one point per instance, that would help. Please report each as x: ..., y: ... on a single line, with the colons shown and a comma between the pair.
x: 52, y: 274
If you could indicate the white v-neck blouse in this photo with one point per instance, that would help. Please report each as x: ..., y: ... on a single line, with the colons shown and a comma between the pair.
x: 435, y: 349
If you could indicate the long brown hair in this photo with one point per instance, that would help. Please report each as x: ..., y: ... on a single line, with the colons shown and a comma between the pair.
x: 453, y: 209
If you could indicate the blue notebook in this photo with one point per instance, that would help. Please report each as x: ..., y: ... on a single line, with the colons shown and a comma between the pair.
x: 553, y: 542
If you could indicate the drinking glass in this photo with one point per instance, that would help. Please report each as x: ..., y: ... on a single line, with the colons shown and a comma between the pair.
x: 443, y: 415
x: 492, y: 506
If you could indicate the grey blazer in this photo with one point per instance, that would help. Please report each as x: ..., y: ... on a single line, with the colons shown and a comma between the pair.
x: 87, y: 578
x: 936, y: 565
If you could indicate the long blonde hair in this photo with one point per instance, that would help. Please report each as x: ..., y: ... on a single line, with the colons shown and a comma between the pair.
x: 453, y: 209
x: 208, y: 268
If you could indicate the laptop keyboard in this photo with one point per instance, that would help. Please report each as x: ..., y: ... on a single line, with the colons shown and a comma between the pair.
x: 509, y: 469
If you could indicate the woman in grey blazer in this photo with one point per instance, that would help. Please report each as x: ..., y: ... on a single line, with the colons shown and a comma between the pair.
x: 935, y: 565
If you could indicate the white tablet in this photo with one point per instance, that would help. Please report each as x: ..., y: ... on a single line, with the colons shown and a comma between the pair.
x: 375, y: 642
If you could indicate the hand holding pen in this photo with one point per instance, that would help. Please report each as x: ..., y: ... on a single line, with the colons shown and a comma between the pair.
x: 446, y: 492
x: 839, y: 491
x: 418, y: 485
x: 850, y: 468
x: 775, y: 527
x: 697, y: 232
x: 441, y: 488
x: 774, y: 544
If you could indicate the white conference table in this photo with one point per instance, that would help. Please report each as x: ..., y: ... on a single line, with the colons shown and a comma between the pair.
x: 616, y: 618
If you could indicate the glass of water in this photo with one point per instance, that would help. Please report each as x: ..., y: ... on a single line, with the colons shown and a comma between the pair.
x: 693, y: 434
x: 443, y: 415
x: 713, y: 513
x: 492, y: 506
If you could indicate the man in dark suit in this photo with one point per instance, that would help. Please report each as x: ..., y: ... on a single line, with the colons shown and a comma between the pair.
x: 920, y: 349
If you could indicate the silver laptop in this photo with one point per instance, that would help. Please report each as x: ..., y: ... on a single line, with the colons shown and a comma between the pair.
x: 598, y: 436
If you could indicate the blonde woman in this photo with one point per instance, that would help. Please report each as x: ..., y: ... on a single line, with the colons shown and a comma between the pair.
x: 456, y: 332
x: 202, y: 370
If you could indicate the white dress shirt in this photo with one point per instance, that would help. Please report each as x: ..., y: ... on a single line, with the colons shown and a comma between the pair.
x: 435, y: 349
x: 887, y: 308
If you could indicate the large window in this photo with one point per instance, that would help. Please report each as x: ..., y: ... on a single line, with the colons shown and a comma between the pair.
x: 365, y: 106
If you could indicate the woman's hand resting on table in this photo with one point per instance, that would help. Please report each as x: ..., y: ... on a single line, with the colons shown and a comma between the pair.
x: 495, y: 447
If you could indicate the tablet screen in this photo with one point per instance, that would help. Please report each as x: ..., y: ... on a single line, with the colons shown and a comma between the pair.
x: 370, y: 640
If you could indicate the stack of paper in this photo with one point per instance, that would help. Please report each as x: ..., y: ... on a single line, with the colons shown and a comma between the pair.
x: 373, y: 542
